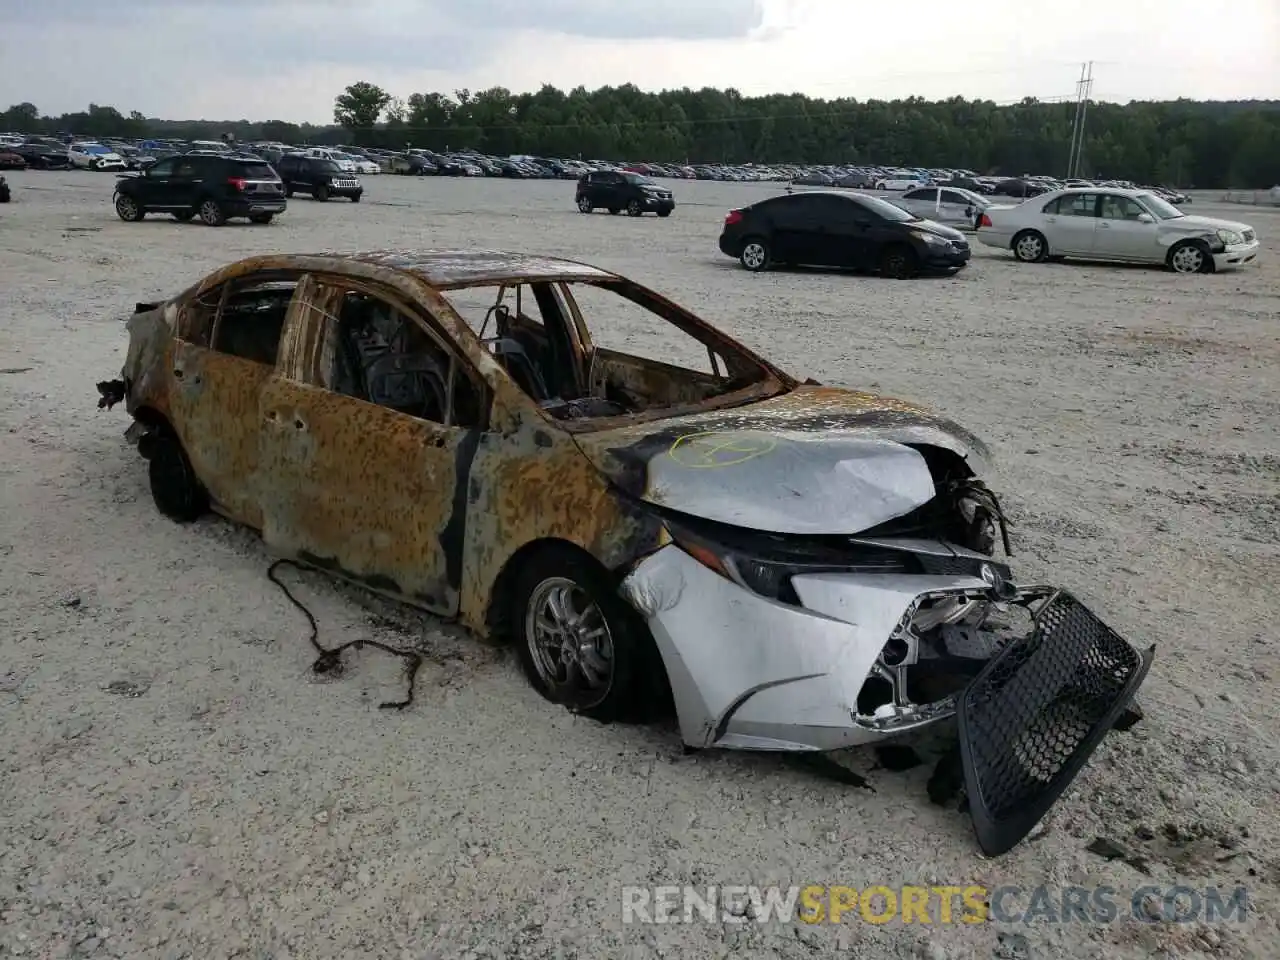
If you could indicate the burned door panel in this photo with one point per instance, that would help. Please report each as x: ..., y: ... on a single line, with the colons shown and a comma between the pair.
x: 213, y: 405
x: 362, y: 490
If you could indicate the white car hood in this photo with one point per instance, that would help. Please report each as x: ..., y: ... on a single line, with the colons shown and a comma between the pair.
x: 1205, y: 223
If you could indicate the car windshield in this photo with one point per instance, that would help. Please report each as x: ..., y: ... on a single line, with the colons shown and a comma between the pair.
x: 96, y: 149
x: 886, y: 209
x: 327, y: 166
x: 1160, y: 207
x: 640, y: 181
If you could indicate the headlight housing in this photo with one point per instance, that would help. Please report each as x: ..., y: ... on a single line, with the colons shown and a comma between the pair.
x: 932, y: 239
x: 1230, y: 237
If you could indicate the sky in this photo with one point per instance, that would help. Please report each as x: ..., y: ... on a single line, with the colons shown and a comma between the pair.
x: 288, y: 59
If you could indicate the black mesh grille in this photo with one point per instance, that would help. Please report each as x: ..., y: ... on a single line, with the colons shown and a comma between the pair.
x: 1031, y: 719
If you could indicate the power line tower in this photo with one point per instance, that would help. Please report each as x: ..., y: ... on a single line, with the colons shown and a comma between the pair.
x: 1083, y: 89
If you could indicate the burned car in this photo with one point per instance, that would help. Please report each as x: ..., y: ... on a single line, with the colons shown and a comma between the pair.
x: 790, y: 566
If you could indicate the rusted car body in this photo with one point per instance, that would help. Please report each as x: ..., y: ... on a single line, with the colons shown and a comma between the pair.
x: 791, y: 566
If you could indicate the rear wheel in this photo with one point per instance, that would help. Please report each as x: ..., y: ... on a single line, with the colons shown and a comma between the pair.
x: 128, y: 209
x: 585, y: 205
x: 177, y: 493
x: 634, y: 209
x: 288, y: 190
x: 212, y: 214
x: 321, y: 193
x: 755, y: 254
x: 1030, y: 246
x: 898, y: 262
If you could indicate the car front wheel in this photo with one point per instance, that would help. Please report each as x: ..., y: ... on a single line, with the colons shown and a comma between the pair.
x: 634, y: 209
x: 579, y: 643
x: 212, y: 214
x: 585, y: 205
x: 129, y: 210
x: 1190, y: 257
x: 321, y: 193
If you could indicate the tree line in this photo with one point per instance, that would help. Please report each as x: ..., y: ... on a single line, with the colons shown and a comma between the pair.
x: 1183, y: 143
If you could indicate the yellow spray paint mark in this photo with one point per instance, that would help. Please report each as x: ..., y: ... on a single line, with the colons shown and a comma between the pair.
x: 709, y: 450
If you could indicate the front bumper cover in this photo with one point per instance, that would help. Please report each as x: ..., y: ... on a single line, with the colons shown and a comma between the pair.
x: 751, y: 673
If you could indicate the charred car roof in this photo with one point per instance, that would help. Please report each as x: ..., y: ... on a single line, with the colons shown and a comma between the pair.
x: 450, y: 269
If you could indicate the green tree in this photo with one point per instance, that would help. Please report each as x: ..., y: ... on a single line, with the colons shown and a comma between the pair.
x: 358, y: 107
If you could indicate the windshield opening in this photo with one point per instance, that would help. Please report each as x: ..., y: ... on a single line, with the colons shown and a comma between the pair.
x: 639, y: 180
x: 887, y: 210
x: 1160, y: 207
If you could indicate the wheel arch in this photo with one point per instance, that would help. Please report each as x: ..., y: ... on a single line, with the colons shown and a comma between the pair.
x: 496, y: 622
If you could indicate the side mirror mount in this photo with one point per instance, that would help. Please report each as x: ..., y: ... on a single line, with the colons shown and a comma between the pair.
x: 1146, y: 218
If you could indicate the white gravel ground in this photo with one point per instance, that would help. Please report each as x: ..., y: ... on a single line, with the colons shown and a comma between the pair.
x: 175, y: 783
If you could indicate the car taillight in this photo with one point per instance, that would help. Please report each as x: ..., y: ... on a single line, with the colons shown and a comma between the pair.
x: 236, y: 183
x: 985, y: 221
x: 735, y: 216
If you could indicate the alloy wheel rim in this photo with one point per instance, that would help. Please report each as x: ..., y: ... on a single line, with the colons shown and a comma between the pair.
x: 753, y: 255
x: 209, y: 211
x: 1029, y: 247
x: 1188, y: 260
x: 126, y: 207
x: 569, y: 640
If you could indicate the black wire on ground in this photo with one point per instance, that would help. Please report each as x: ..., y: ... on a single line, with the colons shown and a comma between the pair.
x: 330, y: 661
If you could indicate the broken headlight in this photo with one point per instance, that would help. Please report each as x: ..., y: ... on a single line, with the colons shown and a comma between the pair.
x: 766, y: 568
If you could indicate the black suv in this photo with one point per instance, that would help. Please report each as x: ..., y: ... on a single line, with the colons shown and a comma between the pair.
x: 205, y: 185
x: 622, y: 191
x: 319, y: 177
x: 820, y: 228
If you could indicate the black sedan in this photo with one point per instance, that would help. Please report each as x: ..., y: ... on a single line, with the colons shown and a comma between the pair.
x: 824, y: 228
x: 41, y: 156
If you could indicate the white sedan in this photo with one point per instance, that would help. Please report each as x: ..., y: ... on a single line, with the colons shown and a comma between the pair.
x: 899, y: 183
x: 1134, y: 226
x: 950, y: 205
x: 362, y: 165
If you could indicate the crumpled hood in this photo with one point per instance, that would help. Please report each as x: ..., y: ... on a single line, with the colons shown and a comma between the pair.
x: 817, y: 460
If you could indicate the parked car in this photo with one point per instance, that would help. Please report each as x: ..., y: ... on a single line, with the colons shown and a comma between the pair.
x: 212, y: 187
x: 411, y: 164
x: 361, y: 165
x: 12, y: 160
x: 319, y: 177
x: 824, y: 228
x: 616, y: 190
x: 899, y: 183
x: 94, y: 156
x: 41, y: 156
x: 950, y: 205
x: 1115, y: 224
x: 1019, y: 188
x: 700, y: 554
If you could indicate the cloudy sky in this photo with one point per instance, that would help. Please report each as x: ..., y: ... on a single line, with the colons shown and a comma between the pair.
x: 287, y: 59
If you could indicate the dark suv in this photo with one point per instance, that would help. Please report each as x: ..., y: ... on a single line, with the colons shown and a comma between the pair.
x: 205, y: 185
x: 617, y: 191
x: 819, y: 228
x: 319, y: 177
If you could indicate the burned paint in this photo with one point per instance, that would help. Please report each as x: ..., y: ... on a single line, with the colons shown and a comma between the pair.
x: 453, y: 536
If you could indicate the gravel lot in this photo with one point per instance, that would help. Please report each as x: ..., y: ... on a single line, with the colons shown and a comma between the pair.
x: 174, y: 782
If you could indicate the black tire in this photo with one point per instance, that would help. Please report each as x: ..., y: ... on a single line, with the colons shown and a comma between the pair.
x: 1030, y: 246
x: 636, y: 681
x: 1190, y: 256
x: 355, y: 197
x: 288, y: 191
x: 664, y: 213
x: 320, y: 193
x: 634, y: 209
x: 585, y: 205
x: 177, y: 492
x: 211, y: 212
x: 185, y: 216
x: 129, y: 209
x: 260, y: 217
x: 756, y: 255
x: 899, y: 262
